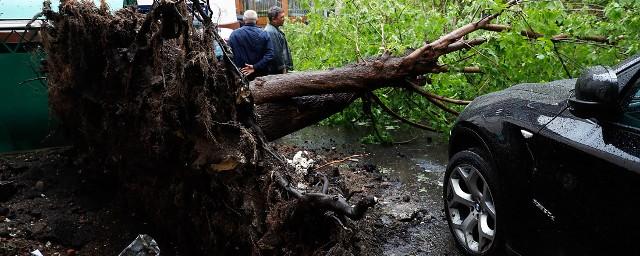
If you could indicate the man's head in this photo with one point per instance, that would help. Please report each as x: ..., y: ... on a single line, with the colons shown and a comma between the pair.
x: 276, y: 16
x: 250, y: 16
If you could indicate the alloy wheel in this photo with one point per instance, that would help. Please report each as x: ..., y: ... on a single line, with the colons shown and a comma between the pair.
x: 471, y: 208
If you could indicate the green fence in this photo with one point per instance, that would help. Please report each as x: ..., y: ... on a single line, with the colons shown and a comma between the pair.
x: 25, y: 122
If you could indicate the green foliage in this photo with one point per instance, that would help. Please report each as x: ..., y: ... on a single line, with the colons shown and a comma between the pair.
x: 346, y: 31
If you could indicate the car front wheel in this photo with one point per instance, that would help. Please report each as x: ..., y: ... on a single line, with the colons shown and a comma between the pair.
x: 470, y: 203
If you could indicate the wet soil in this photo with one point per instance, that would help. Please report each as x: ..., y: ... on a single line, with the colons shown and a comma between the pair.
x: 50, y: 203
x: 409, y: 219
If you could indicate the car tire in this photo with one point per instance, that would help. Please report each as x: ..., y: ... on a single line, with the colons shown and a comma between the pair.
x: 471, y: 197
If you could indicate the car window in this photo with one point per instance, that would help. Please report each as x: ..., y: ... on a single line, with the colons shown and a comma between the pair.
x: 632, y: 112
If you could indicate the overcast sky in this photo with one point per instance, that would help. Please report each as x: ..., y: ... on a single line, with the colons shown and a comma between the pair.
x: 25, y: 9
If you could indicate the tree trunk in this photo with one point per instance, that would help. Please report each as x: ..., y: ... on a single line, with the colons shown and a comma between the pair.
x: 283, y: 117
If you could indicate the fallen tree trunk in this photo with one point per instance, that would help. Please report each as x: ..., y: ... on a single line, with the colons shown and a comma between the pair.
x: 277, y: 119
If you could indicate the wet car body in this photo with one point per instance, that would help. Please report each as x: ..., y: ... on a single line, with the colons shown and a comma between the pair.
x: 568, y: 181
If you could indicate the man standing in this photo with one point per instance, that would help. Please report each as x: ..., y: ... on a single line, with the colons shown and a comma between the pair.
x: 252, y: 49
x: 281, y: 62
x: 126, y: 3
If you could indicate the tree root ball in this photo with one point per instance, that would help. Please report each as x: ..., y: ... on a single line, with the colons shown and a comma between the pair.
x: 144, y: 98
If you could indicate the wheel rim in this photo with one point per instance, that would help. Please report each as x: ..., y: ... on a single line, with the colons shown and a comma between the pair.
x: 471, y: 208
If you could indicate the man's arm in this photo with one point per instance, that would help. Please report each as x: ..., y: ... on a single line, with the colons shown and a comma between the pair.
x: 268, y: 55
x: 278, y: 50
x: 289, y: 64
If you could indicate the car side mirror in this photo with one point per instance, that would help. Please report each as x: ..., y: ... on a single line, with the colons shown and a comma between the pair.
x: 596, y: 91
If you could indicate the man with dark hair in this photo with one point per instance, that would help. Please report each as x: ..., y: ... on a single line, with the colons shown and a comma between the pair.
x: 251, y: 46
x: 126, y: 3
x: 281, y: 62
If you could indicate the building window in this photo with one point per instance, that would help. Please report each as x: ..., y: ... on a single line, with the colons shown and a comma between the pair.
x: 295, y: 7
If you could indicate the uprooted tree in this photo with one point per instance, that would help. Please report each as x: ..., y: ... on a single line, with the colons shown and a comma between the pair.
x: 144, y: 97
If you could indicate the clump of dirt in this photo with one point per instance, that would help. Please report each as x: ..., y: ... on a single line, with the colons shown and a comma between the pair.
x: 147, y: 103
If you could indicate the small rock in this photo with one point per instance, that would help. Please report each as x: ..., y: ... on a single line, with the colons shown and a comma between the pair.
x: 71, y: 252
x: 428, y: 218
x: 385, y: 184
x: 406, y: 198
x: 39, y: 230
x: 369, y: 167
x: 31, y: 194
x: 335, y: 172
x: 39, y: 185
x: 385, y: 220
x: 7, y: 190
x: 77, y: 209
x: 36, y: 213
x: 4, y: 211
x: 301, y: 185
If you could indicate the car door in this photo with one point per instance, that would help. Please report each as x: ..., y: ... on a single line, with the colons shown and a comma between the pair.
x: 586, y: 184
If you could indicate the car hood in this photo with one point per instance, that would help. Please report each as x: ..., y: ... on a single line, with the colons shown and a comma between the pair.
x: 521, y: 104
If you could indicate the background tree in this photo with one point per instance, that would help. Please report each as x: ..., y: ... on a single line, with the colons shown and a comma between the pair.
x: 540, y: 41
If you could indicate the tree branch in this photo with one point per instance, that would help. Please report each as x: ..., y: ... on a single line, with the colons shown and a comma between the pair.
x: 442, y: 98
x: 464, y: 45
x: 430, y: 98
x: 397, y: 116
x: 535, y: 35
x: 338, y: 161
x: 564, y: 66
x: 496, y: 27
x: 324, y: 202
x: 445, y: 69
x: 430, y: 51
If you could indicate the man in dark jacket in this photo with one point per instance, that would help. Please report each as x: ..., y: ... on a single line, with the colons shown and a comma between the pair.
x: 281, y: 62
x: 252, y: 49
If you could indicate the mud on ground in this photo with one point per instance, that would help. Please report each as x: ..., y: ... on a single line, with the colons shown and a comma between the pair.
x: 50, y: 203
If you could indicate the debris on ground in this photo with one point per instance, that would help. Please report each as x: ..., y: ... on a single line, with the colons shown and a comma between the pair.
x: 301, y: 162
x: 143, y: 245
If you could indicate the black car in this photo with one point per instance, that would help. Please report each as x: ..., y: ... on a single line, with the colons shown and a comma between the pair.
x: 549, y: 169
